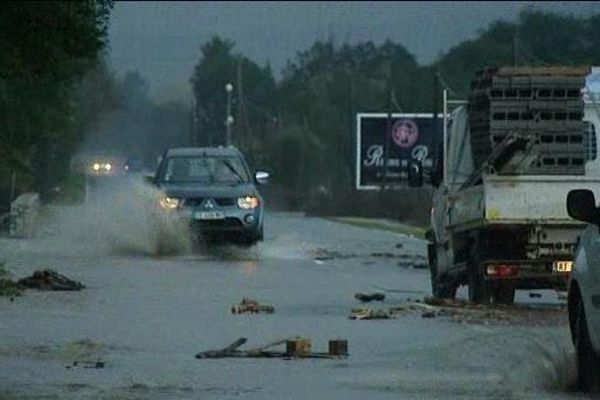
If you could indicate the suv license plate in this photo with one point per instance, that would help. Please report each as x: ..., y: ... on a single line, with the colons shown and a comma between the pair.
x: 209, y: 215
x: 562, y: 266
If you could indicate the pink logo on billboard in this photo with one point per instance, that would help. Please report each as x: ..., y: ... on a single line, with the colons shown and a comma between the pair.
x: 405, y: 133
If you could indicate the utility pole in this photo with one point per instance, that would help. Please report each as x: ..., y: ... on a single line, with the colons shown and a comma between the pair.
x: 193, y: 124
x: 352, y: 142
x: 434, y: 141
x: 229, y: 118
x: 13, y: 185
x: 514, y: 48
x: 388, y: 134
x: 240, y: 137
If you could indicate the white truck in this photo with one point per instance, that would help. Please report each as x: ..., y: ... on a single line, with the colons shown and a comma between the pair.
x: 496, y: 231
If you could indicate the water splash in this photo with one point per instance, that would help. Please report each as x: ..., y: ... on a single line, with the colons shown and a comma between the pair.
x: 123, y: 216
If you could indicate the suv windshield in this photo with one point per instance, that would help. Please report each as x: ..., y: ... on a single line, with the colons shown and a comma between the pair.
x: 205, y: 169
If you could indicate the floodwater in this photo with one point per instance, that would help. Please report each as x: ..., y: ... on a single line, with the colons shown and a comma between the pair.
x: 146, y: 314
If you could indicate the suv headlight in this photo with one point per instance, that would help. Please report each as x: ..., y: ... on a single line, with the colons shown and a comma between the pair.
x: 169, y: 203
x: 248, y: 202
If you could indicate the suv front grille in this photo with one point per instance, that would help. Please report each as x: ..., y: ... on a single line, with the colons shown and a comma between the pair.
x: 220, y: 201
x: 225, y: 201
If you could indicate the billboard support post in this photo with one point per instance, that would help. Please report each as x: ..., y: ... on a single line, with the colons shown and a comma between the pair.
x: 445, y: 134
x: 386, y: 149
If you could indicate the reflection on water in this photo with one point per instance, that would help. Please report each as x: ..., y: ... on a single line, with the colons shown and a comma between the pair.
x: 249, y: 267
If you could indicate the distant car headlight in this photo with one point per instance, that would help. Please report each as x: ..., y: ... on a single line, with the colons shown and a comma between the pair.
x: 248, y: 202
x: 169, y: 203
x: 100, y: 167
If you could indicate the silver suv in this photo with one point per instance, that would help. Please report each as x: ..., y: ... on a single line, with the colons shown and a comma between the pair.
x: 213, y: 189
x: 584, y: 290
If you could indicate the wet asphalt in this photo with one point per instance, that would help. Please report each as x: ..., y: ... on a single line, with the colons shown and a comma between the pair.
x: 145, y: 317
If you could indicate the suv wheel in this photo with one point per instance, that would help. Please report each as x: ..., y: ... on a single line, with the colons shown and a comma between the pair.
x: 588, y: 362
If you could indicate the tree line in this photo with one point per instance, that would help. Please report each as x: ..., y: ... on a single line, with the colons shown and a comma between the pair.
x: 46, y: 48
x: 58, y: 93
x: 302, y: 126
x: 59, y: 96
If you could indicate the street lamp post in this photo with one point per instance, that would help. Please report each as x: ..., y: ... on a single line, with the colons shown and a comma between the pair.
x: 229, y: 119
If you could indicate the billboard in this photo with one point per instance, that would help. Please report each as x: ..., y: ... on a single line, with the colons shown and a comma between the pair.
x: 412, y: 136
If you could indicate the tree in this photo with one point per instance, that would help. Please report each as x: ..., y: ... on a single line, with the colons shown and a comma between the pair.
x: 46, y: 48
x: 252, y: 98
x: 135, y: 126
x: 312, y: 109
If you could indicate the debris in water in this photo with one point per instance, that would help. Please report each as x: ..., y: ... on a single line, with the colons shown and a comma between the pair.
x: 298, y: 347
x: 295, y: 348
x: 87, y: 364
x: 434, y: 301
x: 228, y: 351
x: 463, y: 311
x: 251, y: 306
x: 421, y: 265
x: 365, y: 298
x: 9, y: 288
x: 338, y: 347
x: 383, y: 255
x: 367, y: 313
x: 322, y: 254
x: 49, y: 280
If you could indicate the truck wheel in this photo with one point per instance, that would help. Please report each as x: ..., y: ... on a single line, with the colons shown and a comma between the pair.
x: 504, y: 293
x: 479, y: 290
x: 440, y: 288
x: 588, y: 362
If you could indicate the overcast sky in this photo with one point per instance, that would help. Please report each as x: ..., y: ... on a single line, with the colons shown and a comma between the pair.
x: 162, y: 39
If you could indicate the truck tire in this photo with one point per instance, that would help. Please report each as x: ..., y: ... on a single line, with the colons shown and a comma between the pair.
x: 440, y: 288
x: 479, y: 290
x: 503, y: 293
x: 588, y: 361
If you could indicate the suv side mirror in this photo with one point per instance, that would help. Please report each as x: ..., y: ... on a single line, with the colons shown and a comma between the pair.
x: 261, y: 177
x: 581, y: 205
x: 415, y: 174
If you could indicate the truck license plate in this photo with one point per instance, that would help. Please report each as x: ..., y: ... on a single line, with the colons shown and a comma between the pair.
x: 209, y: 215
x: 562, y: 266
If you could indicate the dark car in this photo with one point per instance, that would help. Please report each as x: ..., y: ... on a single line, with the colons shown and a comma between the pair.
x: 213, y: 188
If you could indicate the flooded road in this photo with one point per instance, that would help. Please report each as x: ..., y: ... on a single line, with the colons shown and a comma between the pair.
x: 146, y: 317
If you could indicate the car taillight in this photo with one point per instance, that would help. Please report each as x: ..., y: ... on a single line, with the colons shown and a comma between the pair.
x: 502, y: 270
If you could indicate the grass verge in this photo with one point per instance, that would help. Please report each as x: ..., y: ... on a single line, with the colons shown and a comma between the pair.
x: 418, y: 232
